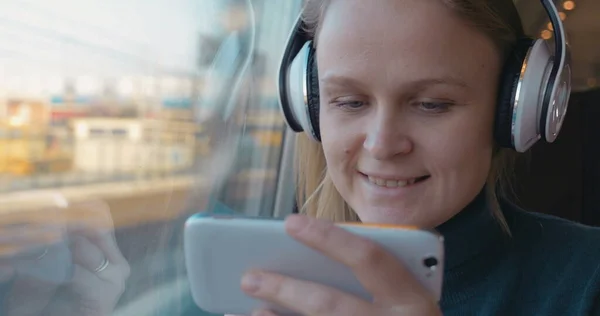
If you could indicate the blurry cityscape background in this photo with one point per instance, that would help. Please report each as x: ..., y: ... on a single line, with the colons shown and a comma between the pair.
x: 112, y: 91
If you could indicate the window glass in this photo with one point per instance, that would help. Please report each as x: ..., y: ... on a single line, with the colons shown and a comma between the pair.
x: 119, y: 120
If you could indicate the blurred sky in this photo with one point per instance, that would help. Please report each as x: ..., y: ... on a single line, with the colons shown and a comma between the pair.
x: 42, y: 42
x: 96, y: 37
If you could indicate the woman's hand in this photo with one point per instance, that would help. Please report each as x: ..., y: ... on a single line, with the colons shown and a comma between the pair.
x: 394, y: 289
x: 99, y: 276
x: 99, y: 270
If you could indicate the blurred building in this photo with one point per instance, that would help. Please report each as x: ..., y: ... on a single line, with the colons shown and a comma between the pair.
x: 31, y: 149
x: 133, y: 145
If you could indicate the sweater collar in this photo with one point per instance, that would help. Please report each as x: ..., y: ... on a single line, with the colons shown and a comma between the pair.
x: 470, y: 232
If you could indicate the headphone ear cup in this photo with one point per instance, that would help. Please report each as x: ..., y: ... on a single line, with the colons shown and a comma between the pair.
x: 507, y: 94
x: 313, y: 99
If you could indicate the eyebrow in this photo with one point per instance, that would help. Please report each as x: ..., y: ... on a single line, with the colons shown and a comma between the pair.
x: 339, y: 80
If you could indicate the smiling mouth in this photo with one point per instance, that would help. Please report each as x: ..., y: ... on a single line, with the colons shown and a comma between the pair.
x: 392, y: 183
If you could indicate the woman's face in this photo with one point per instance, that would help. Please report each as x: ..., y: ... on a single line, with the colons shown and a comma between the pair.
x: 408, y: 94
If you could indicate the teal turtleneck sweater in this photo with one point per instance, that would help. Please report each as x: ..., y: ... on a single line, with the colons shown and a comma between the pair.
x: 548, y: 266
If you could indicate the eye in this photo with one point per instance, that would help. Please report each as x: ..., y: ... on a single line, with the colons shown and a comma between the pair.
x: 350, y: 105
x: 434, y: 107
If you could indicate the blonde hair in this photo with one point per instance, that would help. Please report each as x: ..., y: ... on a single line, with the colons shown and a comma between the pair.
x: 316, y: 193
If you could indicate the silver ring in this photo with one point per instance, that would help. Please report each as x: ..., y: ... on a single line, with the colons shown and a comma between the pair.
x: 102, y: 266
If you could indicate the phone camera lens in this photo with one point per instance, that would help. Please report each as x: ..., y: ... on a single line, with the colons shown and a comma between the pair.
x: 430, y: 262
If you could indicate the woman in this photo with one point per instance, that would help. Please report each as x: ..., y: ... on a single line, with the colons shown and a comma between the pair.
x: 408, y: 94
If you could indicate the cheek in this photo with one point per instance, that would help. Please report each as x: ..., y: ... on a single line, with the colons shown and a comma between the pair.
x: 341, y: 147
x: 468, y: 137
x: 335, y: 137
x: 337, y: 146
x: 465, y: 147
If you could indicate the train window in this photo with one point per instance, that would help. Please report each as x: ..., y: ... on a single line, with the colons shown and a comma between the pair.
x: 120, y: 119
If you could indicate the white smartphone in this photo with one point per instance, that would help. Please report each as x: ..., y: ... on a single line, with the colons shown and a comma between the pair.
x: 219, y: 249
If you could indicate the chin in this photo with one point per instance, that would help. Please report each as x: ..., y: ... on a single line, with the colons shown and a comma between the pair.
x: 387, y: 215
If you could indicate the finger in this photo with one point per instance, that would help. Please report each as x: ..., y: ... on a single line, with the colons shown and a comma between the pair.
x: 103, y: 240
x: 304, y: 297
x: 86, y: 254
x: 380, y: 272
x: 98, y: 294
x: 86, y: 281
x: 93, y: 219
x: 91, y: 257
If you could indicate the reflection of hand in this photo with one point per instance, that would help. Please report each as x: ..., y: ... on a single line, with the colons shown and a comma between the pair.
x: 98, y: 278
x: 99, y: 272
x: 394, y: 289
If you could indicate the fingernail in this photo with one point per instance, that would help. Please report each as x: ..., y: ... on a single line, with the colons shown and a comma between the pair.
x: 296, y: 222
x: 251, y: 282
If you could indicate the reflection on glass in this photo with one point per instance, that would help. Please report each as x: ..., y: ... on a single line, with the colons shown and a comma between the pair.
x: 138, y: 114
x: 60, y: 260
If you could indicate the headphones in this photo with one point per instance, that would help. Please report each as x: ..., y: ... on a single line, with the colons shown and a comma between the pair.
x: 533, y: 95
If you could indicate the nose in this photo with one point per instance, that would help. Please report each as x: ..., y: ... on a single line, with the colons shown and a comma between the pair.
x: 386, y: 138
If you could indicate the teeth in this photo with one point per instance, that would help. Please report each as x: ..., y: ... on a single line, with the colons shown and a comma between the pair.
x: 391, y: 183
